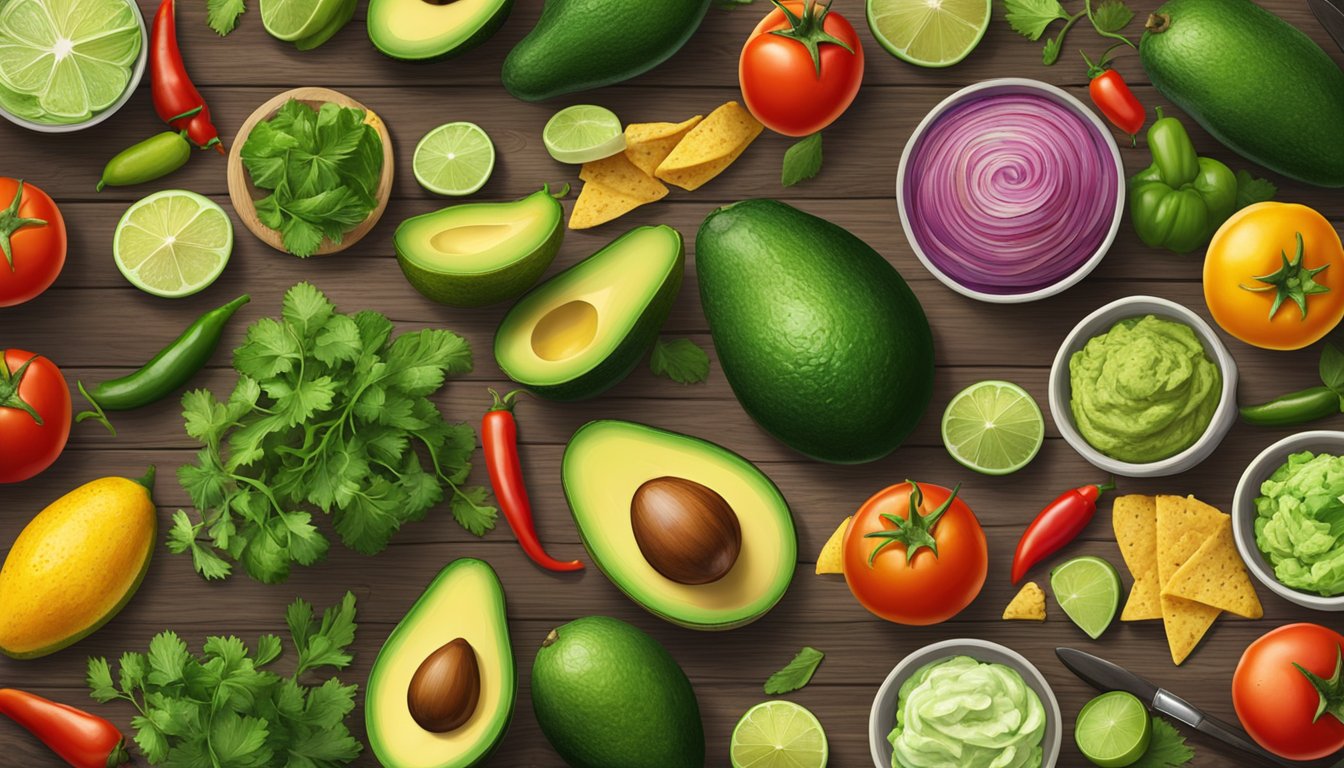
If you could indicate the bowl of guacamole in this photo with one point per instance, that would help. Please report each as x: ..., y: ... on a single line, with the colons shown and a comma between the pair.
x: 969, y: 703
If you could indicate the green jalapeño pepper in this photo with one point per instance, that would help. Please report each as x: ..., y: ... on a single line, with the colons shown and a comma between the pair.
x: 152, y: 158
x: 1179, y: 201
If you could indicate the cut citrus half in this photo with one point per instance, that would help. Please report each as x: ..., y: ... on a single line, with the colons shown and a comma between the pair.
x: 173, y: 243
x: 1088, y: 589
x: 1113, y: 730
x: 292, y: 20
x: 454, y: 159
x: 993, y: 427
x: 929, y: 33
x: 583, y: 133
x: 778, y: 734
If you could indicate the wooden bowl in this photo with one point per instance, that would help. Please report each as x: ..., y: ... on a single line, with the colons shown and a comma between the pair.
x: 244, y: 194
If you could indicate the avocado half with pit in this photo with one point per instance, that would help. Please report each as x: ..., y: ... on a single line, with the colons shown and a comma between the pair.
x: 582, y: 331
x: 476, y: 254
x: 419, y: 30
x: 691, y: 531
x: 441, y: 692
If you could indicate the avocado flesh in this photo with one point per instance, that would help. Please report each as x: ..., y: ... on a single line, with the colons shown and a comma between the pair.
x: 606, y: 462
x: 585, y: 329
x: 465, y: 600
x: 420, y: 30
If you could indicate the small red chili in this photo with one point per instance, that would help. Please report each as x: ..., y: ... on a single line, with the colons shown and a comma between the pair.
x: 1057, y: 525
x: 499, y: 441
x: 1113, y: 97
x: 77, y: 737
x: 176, y: 99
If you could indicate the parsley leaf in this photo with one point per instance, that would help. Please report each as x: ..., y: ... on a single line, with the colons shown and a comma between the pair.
x: 1167, y: 749
x: 680, y: 360
x: 222, y: 15
x: 1251, y: 190
x: 1030, y: 18
x: 802, y: 161
x: 1111, y: 16
x: 1050, y: 52
x: 796, y: 673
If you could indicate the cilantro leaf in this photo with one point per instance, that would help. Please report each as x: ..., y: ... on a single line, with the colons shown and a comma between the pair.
x: 802, y: 161
x: 99, y: 678
x: 1050, y: 52
x: 1251, y: 190
x: 222, y: 15
x: 1167, y: 749
x: 1331, y: 367
x: 1030, y: 18
x: 680, y: 360
x: 471, y: 510
x: 796, y: 673
x: 1111, y: 16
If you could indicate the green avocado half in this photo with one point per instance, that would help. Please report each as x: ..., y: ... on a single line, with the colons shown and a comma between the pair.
x: 418, y: 30
x: 585, y: 329
x: 464, y: 601
x: 607, y: 462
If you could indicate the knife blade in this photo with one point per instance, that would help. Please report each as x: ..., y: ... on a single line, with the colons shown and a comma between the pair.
x: 1331, y: 17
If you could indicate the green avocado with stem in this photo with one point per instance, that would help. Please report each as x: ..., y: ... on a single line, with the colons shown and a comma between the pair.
x: 421, y: 30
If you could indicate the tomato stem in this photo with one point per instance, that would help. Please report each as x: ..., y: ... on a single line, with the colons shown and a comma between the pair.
x: 809, y: 29
x: 1330, y: 691
x: 10, y: 382
x: 11, y: 222
x: 914, y: 531
x: 1293, y: 281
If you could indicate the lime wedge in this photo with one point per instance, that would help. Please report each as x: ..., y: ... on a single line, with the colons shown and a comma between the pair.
x: 929, y: 33
x: 454, y: 159
x: 344, y: 13
x: 583, y: 133
x: 778, y: 734
x: 295, y: 19
x: 173, y: 243
x: 1088, y: 589
x: 993, y: 427
x: 1113, y: 730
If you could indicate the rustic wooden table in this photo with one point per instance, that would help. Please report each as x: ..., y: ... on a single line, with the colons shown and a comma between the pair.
x: 95, y: 325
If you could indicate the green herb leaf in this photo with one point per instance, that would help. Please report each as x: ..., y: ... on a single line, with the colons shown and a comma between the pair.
x: 1030, y: 18
x: 1111, y: 16
x: 680, y: 360
x: 222, y: 15
x: 1167, y: 749
x: 99, y: 678
x: 1050, y: 52
x: 1332, y: 367
x: 802, y: 161
x: 796, y: 673
x: 1251, y: 190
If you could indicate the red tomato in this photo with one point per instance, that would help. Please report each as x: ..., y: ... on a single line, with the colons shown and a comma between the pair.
x: 34, y: 414
x: 1277, y: 703
x: 781, y: 82
x: 932, y: 586
x: 32, y: 242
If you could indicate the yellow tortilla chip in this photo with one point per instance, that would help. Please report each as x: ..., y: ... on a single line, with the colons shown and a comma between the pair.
x: 648, y: 144
x: 1182, y: 526
x: 598, y: 204
x: 618, y: 174
x: 1029, y: 605
x: 1134, y: 519
x: 832, y: 557
x: 1215, y: 576
x: 710, y: 147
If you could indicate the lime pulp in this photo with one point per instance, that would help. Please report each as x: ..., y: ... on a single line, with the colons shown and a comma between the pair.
x: 1088, y: 589
x: 929, y: 34
x: 778, y: 734
x: 454, y: 159
x: 583, y: 133
x: 292, y: 20
x: 1113, y: 730
x: 173, y: 243
x: 993, y: 427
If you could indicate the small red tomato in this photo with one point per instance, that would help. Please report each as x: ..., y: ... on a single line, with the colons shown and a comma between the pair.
x: 34, y: 414
x: 32, y: 242
x: 1112, y: 95
x: 801, y: 67
x: 1279, y: 703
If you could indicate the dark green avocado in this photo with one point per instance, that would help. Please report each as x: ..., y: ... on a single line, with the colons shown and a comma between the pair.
x: 419, y: 30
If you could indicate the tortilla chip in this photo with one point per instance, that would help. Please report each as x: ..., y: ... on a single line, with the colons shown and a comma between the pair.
x: 1029, y: 605
x: 710, y: 147
x: 1183, y: 524
x: 1216, y: 577
x: 832, y: 557
x: 648, y: 144
x: 618, y: 174
x: 1134, y: 519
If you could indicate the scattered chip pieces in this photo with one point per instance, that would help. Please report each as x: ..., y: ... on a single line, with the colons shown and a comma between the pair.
x: 648, y: 144
x: 613, y: 187
x: 1215, y: 576
x: 1029, y: 605
x: 832, y: 557
x: 1134, y: 519
x: 710, y: 147
x: 1182, y: 525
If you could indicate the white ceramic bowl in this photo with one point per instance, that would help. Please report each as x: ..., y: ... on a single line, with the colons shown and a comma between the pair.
x: 1100, y: 321
x: 137, y: 73
x: 1243, y: 511
x: 882, y: 718
x: 1000, y: 86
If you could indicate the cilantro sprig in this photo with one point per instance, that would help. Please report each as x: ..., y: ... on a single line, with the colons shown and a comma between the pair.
x: 796, y: 674
x: 330, y: 412
x: 1033, y: 18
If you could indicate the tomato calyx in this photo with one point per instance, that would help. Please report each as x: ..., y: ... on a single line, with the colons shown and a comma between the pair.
x: 10, y: 382
x: 1291, y: 281
x: 1331, y: 691
x: 809, y: 29
x: 11, y: 222
x: 915, y: 531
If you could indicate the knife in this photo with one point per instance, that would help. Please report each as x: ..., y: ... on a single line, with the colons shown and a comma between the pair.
x: 1331, y: 16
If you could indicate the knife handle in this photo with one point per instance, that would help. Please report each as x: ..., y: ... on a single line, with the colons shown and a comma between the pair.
x: 1233, y: 736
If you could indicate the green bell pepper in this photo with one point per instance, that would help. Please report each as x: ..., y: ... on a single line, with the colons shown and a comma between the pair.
x: 1179, y: 201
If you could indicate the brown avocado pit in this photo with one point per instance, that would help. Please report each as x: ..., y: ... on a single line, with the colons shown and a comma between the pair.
x: 685, y: 530
x: 445, y: 688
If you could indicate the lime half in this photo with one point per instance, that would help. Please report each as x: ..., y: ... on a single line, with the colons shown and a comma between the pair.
x: 1113, y: 730
x: 993, y: 427
x: 778, y: 734
x: 583, y: 133
x: 929, y: 33
x: 1088, y: 589
x: 173, y: 243
x: 296, y: 19
x: 454, y: 159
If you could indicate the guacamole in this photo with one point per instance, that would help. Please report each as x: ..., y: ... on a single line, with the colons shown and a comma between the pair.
x: 960, y: 712
x: 1299, y: 523
x: 1144, y: 390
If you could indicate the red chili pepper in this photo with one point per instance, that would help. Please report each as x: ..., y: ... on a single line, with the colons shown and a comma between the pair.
x: 499, y: 440
x: 1113, y: 97
x: 175, y: 97
x: 79, y: 738
x: 1057, y: 525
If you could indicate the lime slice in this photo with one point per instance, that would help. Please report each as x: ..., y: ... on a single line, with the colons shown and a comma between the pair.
x: 583, y: 133
x: 454, y: 159
x: 993, y: 427
x: 1088, y: 589
x: 778, y: 734
x: 928, y: 33
x: 295, y: 19
x: 1113, y: 730
x: 173, y: 243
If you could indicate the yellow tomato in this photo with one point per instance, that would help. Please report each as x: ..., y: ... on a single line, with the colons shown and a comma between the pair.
x: 1245, y: 275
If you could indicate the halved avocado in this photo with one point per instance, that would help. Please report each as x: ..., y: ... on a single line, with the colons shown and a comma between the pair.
x: 480, y: 253
x: 585, y: 329
x: 607, y: 462
x: 429, y: 29
x: 464, y: 601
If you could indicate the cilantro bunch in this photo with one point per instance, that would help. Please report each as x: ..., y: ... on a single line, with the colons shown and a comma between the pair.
x: 226, y: 709
x: 1031, y: 19
x: 329, y: 412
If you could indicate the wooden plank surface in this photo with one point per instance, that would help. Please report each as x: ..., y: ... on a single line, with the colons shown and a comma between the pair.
x: 96, y: 326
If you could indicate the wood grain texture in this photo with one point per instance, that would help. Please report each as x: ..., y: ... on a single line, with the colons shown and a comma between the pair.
x: 96, y: 326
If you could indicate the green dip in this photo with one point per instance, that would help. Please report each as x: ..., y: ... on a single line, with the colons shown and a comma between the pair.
x: 1299, y: 523
x: 960, y: 712
x: 1144, y: 390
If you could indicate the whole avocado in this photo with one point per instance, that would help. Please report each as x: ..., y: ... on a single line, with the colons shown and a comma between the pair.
x: 1254, y: 82
x: 583, y: 44
x: 822, y: 341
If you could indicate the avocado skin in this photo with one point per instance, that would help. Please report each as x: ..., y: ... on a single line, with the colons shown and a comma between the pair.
x: 486, y: 31
x: 607, y: 695
x: 823, y: 343
x: 582, y: 44
x: 1254, y: 82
